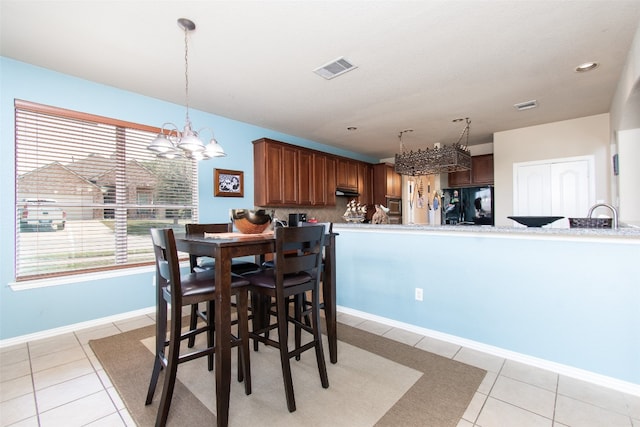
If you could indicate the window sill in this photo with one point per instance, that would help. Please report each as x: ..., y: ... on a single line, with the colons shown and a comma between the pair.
x: 78, y: 278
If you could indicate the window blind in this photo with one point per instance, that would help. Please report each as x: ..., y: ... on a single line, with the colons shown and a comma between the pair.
x: 88, y: 190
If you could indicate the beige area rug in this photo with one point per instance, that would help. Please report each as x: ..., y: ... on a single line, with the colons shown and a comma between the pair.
x: 376, y: 382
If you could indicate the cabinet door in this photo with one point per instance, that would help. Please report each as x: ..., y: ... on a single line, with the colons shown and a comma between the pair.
x: 330, y: 175
x: 272, y: 181
x: 347, y: 175
x: 290, y: 175
x: 394, y: 183
x: 305, y: 178
x: 459, y: 179
x: 482, y: 169
x: 319, y: 180
x: 365, y: 184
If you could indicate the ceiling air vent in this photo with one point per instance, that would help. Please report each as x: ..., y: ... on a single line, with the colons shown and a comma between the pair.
x: 334, y: 68
x: 526, y: 105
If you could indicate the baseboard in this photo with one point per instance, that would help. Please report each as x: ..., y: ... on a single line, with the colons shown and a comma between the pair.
x: 569, y: 371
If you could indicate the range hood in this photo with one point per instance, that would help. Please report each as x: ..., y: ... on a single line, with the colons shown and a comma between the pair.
x: 346, y: 192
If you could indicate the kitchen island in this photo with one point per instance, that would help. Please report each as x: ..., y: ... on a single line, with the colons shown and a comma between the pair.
x: 563, y: 299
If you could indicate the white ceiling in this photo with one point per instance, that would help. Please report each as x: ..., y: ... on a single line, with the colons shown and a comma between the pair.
x: 420, y: 63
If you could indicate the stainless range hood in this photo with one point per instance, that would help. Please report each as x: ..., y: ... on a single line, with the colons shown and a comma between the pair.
x: 346, y: 192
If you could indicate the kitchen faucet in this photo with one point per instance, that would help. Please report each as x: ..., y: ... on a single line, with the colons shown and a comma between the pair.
x: 605, y: 205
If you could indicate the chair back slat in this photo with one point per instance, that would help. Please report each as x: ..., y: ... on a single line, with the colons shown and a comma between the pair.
x: 208, y: 228
x: 167, y: 262
x: 307, y: 242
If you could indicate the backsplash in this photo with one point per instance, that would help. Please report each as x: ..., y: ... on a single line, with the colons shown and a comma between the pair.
x: 326, y: 214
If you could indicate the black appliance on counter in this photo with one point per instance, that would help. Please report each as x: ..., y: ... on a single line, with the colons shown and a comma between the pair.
x: 475, y: 206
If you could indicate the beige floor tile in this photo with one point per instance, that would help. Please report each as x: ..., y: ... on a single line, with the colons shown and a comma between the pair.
x: 612, y: 400
x: 51, y: 345
x: 16, y: 387
x: 68, y: 391
x: 20, y: 408
x: 106, y: 381
x: 441, y: 348
x: 487, y: 383
x: 115, y: 397
x: 578, y: 413
x: 113, y: 420
x: 473, y: 410
x: 373, y: 327
x: 29, y: 422
x: 57, y: 358
x: 85, y: 335
x: 464, y: 423
x: 61, y: 373
x: 14, y: 355
x: 135, y: 323
x: 348, y: 319
x: 405, y: 337
x: 79, y: 412
x: 531, y: 375
x: 497, y: 413
x: 11, y: 348
x: 127, y: 418
x: 11, y: 371
x: 523, y: 395
x: 481, y: 360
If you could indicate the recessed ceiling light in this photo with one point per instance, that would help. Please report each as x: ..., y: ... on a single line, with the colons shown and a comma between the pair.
x: 587, y: 66
x: 352, y: 128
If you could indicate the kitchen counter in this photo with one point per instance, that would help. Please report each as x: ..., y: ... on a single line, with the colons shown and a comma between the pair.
x: 563, y: 299
x: 622, y: 232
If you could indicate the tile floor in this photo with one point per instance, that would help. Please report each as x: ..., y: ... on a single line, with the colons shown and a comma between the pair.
x: 59, y: 382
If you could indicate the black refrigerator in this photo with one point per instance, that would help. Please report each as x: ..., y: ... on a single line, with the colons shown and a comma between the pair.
x: 474, y: 206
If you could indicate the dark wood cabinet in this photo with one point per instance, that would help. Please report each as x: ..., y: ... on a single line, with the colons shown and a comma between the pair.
x: 365, y: 184
x: 481, y: 173
x: 347, y: 174
x: 386, y: 183
x: 286, y: 175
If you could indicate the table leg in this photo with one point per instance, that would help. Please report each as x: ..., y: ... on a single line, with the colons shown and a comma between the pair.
x: 223, y: 337
x: 329, y: 296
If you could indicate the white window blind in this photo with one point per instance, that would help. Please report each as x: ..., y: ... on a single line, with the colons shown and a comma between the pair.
x: 88, y: 190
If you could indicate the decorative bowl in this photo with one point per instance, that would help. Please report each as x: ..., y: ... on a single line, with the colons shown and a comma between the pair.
x: 250, y: 221
x: 535, y: 221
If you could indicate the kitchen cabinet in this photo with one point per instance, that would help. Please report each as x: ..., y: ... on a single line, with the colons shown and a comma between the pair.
x: 287, y: 175
x: 365, y: 183
x: 347, y: 174
x: 386, y: 183
x: 481, y: 173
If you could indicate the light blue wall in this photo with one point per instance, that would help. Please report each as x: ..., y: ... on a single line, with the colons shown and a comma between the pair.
x: 571, y: 302
x: 25, y: 312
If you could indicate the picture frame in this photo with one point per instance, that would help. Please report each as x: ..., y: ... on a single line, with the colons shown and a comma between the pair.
x: 228, y: 183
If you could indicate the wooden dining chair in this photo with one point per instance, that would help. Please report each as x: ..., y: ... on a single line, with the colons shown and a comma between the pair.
x: 176, y: 290
x: 203, y: 263
x: 298, y: 262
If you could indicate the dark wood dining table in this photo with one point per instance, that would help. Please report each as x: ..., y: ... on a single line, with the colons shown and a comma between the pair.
x: 223, y: 248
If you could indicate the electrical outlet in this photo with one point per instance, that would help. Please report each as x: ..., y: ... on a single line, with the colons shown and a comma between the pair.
x: 418, y: 294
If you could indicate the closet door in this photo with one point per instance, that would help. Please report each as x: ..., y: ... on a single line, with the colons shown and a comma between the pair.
x: 561, y: 187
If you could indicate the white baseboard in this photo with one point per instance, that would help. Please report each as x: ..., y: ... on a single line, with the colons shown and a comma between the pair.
x: 569, y: 371
x: 75, y: 327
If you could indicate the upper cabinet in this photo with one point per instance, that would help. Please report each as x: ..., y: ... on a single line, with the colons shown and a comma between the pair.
x: 387, y: 183
x: 287, y: 175
x: 347, y: 174
x: 365, y: 183
x: 481, y: 173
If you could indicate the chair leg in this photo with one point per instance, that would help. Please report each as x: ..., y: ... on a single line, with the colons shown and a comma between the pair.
x: 317, y: 336
x: 298, y: 309
x: 193, y: 323
x: 283, y: 336
x: 161, y: 338
x: 171, y: 371
x: 210, y: 332
x: 244, y: 362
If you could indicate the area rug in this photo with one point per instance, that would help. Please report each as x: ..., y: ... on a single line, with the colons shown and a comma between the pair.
x: 376, y: 382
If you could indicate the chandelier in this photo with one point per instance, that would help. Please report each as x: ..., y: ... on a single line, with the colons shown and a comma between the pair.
x: 430, y: 161
x: 170, y: 142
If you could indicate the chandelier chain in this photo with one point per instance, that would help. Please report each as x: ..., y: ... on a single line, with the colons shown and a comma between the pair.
x: 186, y: 70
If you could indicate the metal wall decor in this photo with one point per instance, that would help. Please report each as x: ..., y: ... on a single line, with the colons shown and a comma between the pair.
x: 444, y: 159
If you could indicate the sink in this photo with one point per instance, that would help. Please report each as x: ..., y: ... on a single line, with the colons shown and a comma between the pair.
x: 535, y: 221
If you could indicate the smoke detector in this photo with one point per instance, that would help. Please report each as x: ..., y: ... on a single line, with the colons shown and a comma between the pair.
x: 334, y: 68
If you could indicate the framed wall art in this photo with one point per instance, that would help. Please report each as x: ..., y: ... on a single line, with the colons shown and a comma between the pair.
x: 228, y: 183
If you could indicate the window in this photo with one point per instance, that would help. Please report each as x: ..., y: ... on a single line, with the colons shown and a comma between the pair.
x: 88, y: 190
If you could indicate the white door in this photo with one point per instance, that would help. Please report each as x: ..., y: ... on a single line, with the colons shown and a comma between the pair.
x: 560, y: 187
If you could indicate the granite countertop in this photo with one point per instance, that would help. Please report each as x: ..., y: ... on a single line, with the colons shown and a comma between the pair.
x: 622, y: 232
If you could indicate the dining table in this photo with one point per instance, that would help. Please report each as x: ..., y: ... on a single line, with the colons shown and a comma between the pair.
x: 224, y: 247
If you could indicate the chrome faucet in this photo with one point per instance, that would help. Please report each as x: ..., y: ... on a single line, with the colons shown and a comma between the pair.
x: 605, y: 205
